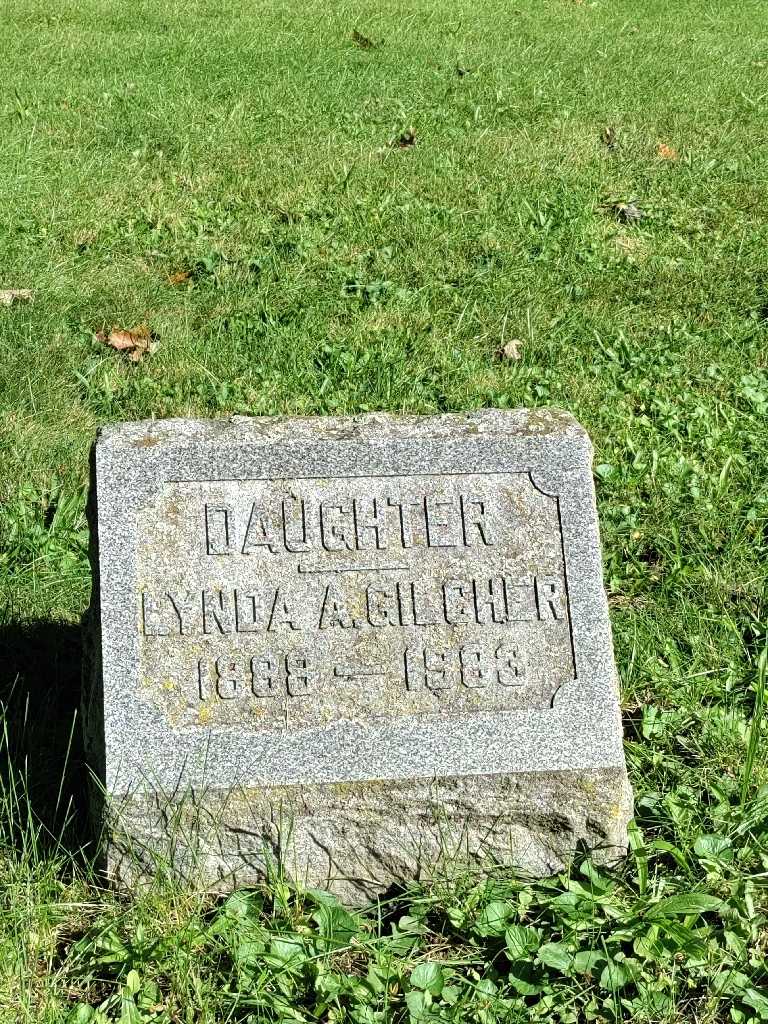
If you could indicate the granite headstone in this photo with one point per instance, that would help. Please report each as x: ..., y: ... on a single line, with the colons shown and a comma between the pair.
x: 351, y: 649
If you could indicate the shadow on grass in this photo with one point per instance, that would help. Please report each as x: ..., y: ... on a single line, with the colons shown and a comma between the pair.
x: 43, y: 776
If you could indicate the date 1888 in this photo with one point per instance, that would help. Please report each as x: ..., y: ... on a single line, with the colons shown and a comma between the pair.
x: 271, y: 675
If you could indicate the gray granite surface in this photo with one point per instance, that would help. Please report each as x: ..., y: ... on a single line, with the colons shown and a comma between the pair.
x: 357, y: 646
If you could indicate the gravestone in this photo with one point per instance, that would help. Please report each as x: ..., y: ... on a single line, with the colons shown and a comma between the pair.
x: 353, y: 649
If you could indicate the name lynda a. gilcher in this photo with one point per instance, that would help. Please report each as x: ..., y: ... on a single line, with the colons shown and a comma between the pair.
x: 247, y: 609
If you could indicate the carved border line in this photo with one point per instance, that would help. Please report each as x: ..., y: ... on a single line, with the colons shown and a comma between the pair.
x: 390, y: 476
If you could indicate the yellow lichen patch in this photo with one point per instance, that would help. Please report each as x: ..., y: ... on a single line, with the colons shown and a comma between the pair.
x: 168, y: 684
x: 204, y: 716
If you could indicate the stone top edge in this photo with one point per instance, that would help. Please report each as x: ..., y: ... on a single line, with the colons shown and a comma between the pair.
x: 518, y: 424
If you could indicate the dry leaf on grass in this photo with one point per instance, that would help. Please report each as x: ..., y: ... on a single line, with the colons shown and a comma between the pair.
x: 666, y: 152
x: 11, y: 295
x: 362, y: 41
x: 625, y: 213
x: 135, y: 343
x: 608, y: 137
x: 83, y: 241
x: 180, y: 277
x: 511, y: 350
x: 406, y: 139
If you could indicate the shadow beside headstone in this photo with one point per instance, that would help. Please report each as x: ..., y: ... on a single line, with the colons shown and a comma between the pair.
x: 43, y: 776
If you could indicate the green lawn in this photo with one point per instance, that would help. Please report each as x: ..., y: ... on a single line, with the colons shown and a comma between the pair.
x: 230, y: 175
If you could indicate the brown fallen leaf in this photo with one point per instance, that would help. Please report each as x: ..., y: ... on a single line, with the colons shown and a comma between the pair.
x: 11, y: 295
x: 180, y: 277
x: 625, y: 213
x: 84, y: 240
x: 666, y: 152
x: 135, y: 343
x: 511, y: 350
x: 406, y: 139
x: 362, y: 41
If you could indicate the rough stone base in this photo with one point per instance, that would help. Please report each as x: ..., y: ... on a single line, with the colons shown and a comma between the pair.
x: 358, y: 839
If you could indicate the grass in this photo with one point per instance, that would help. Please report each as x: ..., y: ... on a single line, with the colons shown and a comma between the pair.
x: 229, y: 174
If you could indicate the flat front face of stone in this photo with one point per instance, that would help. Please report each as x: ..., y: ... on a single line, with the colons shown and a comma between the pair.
x: 275, y: 604
x: 310, y: 603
